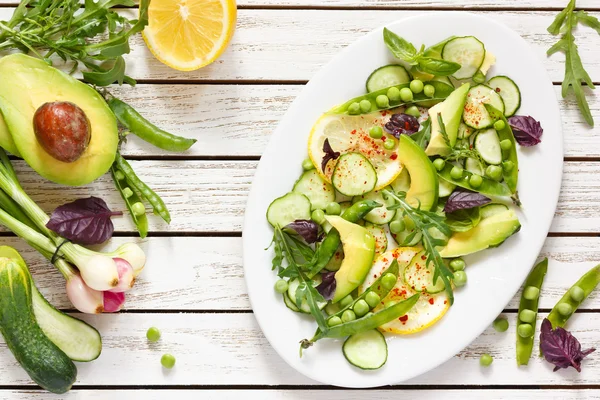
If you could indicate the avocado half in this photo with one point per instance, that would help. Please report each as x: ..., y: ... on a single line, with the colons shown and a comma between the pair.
x: 26, y: 84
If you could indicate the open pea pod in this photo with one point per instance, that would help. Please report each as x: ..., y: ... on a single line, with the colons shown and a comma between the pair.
x: 488, y: 186
x: 442, y: 90
x: 510, y: 161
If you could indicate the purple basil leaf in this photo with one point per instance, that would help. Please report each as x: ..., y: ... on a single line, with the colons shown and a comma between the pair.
x: 462, y: 199
x: 402, y: 124
x: 329, y: 154
x: 528, y: 132
x: 309, y: 230
x: 83, y: 221
x: 561, y: 348
x: 327, y: 285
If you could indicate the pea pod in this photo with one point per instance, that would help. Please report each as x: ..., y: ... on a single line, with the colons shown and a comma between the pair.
x: 442, y: 90
x: 144, y: 129
x: 140, y: 221
x: 534, y: 280
x: 587, y: 283
x: 488, y: 186
x: 509, y: 157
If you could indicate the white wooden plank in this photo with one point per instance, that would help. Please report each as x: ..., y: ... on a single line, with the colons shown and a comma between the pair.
x: 239, y: 119
x: 313, y: 394
x: 230, y: 349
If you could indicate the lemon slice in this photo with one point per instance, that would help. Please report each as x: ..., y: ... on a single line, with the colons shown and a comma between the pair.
x: 350, y: 133
x: 189, y: 34
x: 429, y: 309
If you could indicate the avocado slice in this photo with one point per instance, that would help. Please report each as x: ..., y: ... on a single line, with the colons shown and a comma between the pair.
x: 490, y: 232
x: 359, y: 252
x: 27, y: 83
x: 424, y: 186
x: 451, y: 110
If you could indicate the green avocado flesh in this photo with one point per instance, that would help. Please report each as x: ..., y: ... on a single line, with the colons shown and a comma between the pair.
x: 26, y: 84
x: 490, y: 232
x: 359, y: 251
x: 424, y: 186
x: 451, y: 111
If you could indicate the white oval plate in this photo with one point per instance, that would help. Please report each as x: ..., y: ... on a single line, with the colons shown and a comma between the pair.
x: 494, y: 275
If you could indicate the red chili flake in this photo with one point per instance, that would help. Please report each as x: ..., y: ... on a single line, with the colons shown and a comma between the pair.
x: 394, y: 156
x: 423, y: 257
x: 431, y: 301
x: 498, y: 90
x: 445, y: 301
x: 404, y: 318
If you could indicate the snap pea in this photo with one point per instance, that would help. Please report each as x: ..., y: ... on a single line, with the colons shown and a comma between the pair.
x: 525, y: 344
x: 442, y: 90
x: 510, y: 175
x: 145, y: 130
x: 587, y: 283
x: 130, y: 197
x: 487, y: 186
x: 133, y: 181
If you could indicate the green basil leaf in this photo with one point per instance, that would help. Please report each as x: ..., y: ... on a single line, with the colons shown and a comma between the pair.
x: 463, y: 220
x: 105, y: 78
x: 399, y: 47
x: 436, y: 66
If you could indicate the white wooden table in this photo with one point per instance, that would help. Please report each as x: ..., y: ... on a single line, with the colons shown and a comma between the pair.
x: 193, y: 288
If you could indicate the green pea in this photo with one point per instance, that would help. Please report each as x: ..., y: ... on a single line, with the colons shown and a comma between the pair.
x: 416, y: 86
x: 406, y: 95
x: 501, y: 324
x: 318, y: 216
x: 389, y: 281
x: 138, y: 209
x: 429, y: 90
x: 439, y: 164
x: 506, y: 144
x: 457, y: 264
x: 281, y: 286
x: 389, y: 144
x: 346, y: 301
x: 354, y: 108
x: 372, y: 299
x: 507, y: 165
x: 348, y: 316
x: 475, y: 181
x: 365, y: 106
x: 307, y: 164
x: 460, y: 278
x: 376, y: 132
x: 397, y: 226
x: 333, y: 321
x: 127, y: 192
x: 153, y: 334
x: 167, y: 361
x: 494, y: 172
x: 382, y: 101
x: 414, y: 111
x: 333, y: 208
x: 393, y: 93
x: 525, y: 330
x: 456, y: 172
x: 577, y: 294
x: 119, y: 175
x: 527, y: 316
x: 361, y: 307
x: 486, y: 360
x: 410, y: 224
x: 531, y: 293
x: 564, y: 309
x: 499, y: 125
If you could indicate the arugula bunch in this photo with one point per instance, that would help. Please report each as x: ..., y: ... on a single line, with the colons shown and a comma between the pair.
x: 92, y: 35
x: 575, y: 74
x: 457, y: 153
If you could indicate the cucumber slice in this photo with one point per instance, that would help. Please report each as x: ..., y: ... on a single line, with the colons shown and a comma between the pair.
x: 402, y: 182
x: 288, y: 208
x: 474, y: 166
x: 289, y: 303
x: 319, y: 192
x: 304, y: 308
x: 443, y: 79
x: 510, y: 93
x: 381, y: 240
x: 464, y: 131
x: 366, y: 350
x: 467, y: 51
x: 379, y: 215
x: 446, y: 188
x: 475, y: 114
x: 492, y: 209
x: 354, y: 175
x: 386, y: 76
x: 419, y: 276
x: 487, y: 145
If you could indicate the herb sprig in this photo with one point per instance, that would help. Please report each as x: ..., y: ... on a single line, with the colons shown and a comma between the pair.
x: 426, y: 222
x: 457, y: 153
x: 575, y: 74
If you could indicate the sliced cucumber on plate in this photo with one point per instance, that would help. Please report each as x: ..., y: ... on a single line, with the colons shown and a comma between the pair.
x: 316, y: 189
x: 446, y: 188
x: 354, y: 175
x: 509, y: 92
x: 386, y: 76
x: 487, y: 145
x: 292, y: 287
x: 467, y: 51
x: 474, y: 166
x: 379, y: 215
x: 475, y: 115
x: 366, y: 350
x: 419, y: 275
x: 288, y: 208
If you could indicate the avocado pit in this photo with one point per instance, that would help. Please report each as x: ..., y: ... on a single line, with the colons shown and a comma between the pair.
x: 62, y: 129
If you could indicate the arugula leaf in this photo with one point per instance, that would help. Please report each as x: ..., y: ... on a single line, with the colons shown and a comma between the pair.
x: 424, y: 135
x: 106, y: 77
x: 588, y: 20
